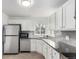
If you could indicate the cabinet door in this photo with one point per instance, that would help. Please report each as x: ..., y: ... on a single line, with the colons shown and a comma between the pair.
x: 11, y: 30
x: 63, y: 57
x: 68, y: 15
x: 59, y: 20
x: 33, y: 45
x: 38, y: 46
x: 45, y: 48
x: 41, y: 46
x: 55, y: 54
x: 49, y: 52
x: 11, y: 44
x: 52, y: 21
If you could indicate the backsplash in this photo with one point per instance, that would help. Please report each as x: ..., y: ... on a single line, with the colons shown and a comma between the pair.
x: 71, y: 34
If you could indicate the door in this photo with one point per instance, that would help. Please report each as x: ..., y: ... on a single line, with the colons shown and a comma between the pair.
x: 45, y: 48
x: 52, y: 21
x: 11, y: 29
x: 62, y: 56
x: 59, y: 20
x: 11, y: 44
x: 68, y: 15
x: 39, y: 46
x: 33, y: 45
x: 49, y: 52
x: 55, y: 54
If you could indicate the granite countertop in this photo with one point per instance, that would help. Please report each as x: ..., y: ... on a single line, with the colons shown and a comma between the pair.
x: 57, y: 42
x: 58, y: 39
x: 48, y: 41
x: 62, y: 45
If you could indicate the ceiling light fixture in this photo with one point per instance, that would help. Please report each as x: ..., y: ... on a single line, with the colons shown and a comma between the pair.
x: 26, y: 3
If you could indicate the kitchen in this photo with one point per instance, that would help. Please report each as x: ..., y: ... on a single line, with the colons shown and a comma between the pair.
x: 46, y: 28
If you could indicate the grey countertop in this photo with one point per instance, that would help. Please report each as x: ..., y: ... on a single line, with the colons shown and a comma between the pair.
x: 60, y: 44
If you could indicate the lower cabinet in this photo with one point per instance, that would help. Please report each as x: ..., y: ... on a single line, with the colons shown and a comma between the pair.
x: 39, y: 46
x: 55, y: 54
x: 46, y: 50
x: 36, y: 46
x: 49, y: 52
x: 33, y: 45
x: 63, y: 57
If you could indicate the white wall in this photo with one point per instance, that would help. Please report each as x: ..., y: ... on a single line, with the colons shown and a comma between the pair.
x: 27, y: 23
x: 4, y: 18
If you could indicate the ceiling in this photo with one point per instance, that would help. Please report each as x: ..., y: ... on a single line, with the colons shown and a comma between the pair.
x: 40, y: 8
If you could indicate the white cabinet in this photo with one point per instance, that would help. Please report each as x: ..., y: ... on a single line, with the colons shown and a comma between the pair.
x: 52, y: 53
x: 56, y: 55
x: 63, y: 18
x: 63, y: 57
x: 45, y: 50
x: 68, y: 15
x: 33, y: 45
x: 49, y: 52
x: 52, y: 21
x: 59, y: 20
x: 41, y: 47
x: 38, y: 46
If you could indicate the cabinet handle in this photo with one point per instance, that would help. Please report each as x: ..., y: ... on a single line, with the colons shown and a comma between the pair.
x: 75, y: 17
x: 62, y: 17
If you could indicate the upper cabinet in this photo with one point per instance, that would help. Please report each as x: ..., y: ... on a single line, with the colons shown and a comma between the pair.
x: 52, y: 21
x: 64, y: 18
x: 68, y: 15
x: 59, y: 19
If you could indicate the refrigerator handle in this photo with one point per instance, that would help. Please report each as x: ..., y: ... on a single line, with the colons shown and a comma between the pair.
x: 3, y: 37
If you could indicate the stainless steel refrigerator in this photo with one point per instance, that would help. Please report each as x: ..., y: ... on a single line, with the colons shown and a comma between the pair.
x: 11, y: 34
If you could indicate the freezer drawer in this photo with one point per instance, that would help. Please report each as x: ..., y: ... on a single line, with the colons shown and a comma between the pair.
x: 11, y: 44
x: 11, y: 30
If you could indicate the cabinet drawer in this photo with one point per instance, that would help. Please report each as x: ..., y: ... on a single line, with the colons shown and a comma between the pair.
x: 55, y: 55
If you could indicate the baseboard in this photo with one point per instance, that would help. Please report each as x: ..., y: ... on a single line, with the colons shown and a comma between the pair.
x: 10, y: 53
x: 25, y: 51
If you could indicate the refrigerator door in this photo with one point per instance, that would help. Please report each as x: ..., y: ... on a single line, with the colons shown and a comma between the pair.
x: 11, y: 44
x: 11, y: 29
